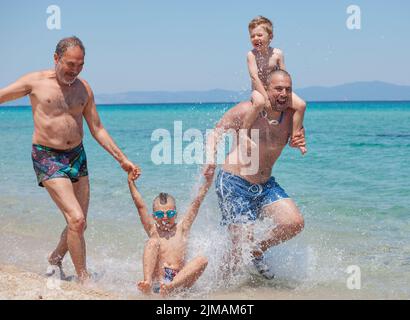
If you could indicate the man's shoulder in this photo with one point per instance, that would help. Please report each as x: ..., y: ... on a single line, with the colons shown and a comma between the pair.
x: 84, y: 83
x: 242, y: 107
x: 38, y: 75
x: 86, y: 86
x: 238, y: 111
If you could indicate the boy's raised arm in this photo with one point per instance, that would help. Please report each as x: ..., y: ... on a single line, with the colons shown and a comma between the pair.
x: 17, y: 89
x: 195, y: 204
x: 146, y: 219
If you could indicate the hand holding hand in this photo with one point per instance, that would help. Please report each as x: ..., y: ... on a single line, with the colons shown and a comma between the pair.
x: 131, y: 168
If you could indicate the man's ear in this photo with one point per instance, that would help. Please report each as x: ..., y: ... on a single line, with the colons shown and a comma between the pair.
x: 56, y: 58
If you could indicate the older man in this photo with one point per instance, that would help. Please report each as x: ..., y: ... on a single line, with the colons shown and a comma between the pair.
x: 245, y: 189
x: 59, y: 102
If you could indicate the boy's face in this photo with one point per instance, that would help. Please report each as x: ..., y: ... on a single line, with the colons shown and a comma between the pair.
x: 161, y: 212
x: 260, y: 38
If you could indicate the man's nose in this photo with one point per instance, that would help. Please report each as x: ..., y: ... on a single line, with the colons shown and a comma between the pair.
x: 76, y: 69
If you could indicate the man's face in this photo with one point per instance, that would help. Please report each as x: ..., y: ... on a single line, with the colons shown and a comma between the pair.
x: 260, y: 38
x: 165, y: 222
x: 280, y: 92
x: 69, y: 66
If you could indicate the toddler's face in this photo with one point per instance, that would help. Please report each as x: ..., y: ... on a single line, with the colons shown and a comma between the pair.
x: 260, y: 38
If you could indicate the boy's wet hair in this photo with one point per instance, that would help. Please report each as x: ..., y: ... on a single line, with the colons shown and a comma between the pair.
x: 66, y: 43
x: 163, y: 199
x: 261, y: 21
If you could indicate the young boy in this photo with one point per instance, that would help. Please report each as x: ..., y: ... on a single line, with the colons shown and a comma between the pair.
x: 262, y: 60
x: 164, y: 264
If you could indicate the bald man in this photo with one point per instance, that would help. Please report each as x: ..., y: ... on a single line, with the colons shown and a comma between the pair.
x: 246, y: 191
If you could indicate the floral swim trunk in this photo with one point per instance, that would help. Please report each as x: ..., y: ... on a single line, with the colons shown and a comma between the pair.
x: 52, y: 163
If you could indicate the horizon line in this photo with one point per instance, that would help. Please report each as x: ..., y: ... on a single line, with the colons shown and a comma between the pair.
x: 210, y: 102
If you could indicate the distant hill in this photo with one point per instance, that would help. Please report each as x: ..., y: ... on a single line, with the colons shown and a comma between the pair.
x: 216, y: 95
x: 357, y: 91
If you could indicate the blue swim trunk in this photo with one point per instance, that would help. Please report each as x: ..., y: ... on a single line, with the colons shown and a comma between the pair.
x: 241, y: 201
x: 169, y: 275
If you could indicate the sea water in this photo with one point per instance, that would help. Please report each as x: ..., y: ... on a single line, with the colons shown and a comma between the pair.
x: 352, y: 188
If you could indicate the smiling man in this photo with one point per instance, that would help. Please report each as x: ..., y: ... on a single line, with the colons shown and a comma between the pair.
x: 244, y: 196
x: 60, y: 100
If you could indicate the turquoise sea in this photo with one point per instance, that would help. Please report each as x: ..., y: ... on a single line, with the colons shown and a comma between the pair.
x: 353, y: 188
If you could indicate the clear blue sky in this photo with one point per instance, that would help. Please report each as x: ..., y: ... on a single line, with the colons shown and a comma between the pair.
x: 201, y: 45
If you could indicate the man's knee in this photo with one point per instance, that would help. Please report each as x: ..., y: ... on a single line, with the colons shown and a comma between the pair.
x: 77, y: 223
x: 299, y: 224
x: 293, y: 226
x: 202, y: 261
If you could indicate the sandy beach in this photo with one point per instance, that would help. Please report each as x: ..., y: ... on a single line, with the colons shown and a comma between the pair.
x: 17, y: 284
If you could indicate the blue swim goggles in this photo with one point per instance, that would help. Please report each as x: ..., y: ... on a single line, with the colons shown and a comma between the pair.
x: 160, y: 214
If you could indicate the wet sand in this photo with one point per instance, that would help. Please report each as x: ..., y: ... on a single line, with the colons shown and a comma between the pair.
x: 17, y: 284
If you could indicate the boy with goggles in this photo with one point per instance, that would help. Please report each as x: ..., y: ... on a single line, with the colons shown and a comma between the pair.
x: 165, y: 269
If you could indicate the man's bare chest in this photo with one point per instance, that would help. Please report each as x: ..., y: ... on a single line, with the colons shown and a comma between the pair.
x: 53, y: 100
x: 271, y: 133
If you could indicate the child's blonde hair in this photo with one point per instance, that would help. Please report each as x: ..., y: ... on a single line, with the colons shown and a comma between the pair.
x: 261, y: 21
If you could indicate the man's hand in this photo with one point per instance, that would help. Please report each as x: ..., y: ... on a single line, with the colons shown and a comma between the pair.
x: 299, y: 141
x: 209, y: 171
x: 131, y: 168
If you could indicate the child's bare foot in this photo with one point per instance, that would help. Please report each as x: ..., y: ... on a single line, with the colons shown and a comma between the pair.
x: 164, y: 290
x: 144, y: 286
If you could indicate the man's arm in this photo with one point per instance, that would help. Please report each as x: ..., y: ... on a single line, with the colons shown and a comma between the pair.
x: 146, y: 219
x: 193, y: 209
x: 18, y: 89
x: 256, y: 81
x: 242, y: 116
x: 102, y: 136
x: 298, y: 140
x: 298, y: 105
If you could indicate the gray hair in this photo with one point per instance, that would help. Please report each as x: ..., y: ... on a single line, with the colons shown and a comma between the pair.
x: 66, y: 43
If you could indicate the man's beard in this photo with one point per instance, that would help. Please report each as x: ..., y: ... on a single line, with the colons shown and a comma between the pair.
x: 280, y: 106
x: 68, y: 83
